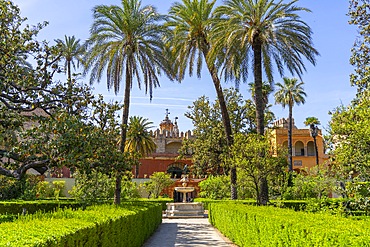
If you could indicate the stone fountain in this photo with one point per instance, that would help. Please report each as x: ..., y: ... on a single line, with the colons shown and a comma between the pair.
x: 184, y: 191
x: 185, y: 209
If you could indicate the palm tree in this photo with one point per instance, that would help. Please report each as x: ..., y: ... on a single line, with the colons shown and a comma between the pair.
x: 71, y: 50
x: 138, y: 138
x: 267, y: 89
x: 126, y: 41
x: 191, y: 22
x: 314, y: 130
x: 265, y: 32
x: 288, y: 94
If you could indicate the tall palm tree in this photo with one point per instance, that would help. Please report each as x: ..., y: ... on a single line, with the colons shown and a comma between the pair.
x: 289, y: 93
x: 126, y: 42
x: 314, y: 131
x: 138, y: 138
x: 191, y: 22
x: 269, y: 33
x: 71, y: 51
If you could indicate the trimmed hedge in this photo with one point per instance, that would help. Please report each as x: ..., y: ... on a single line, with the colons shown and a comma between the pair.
x: 105, y: 225
x: 297, y: 205
x: 247, y: 225
x: 293, y: 204
x: 206, y: 202
x: 162, y: 201
x: 16, y: 207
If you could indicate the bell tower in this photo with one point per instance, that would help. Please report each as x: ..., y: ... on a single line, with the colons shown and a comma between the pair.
x: 166, y: 124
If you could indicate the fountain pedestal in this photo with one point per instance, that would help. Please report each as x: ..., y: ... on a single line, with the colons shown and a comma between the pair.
x: 185, y: 209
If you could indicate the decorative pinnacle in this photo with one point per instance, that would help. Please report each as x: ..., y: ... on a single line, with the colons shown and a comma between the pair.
x: 167, y: 113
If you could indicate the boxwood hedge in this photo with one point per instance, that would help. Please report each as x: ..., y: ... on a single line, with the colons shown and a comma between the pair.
x: 248, y: 225
x: 105, y: 225
x: 17, y: 207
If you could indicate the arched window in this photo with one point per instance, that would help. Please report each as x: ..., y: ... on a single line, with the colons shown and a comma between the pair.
x: 299, y: 148
x: 176, y: 169
x: 310, y: 148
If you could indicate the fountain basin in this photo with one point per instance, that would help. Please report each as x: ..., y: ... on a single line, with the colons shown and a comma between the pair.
x: 185, y: 210
x: 184, y: 189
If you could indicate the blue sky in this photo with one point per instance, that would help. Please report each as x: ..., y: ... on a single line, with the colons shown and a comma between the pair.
x: 326, y: 84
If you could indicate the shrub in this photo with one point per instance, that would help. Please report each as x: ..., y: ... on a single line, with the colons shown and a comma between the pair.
x: 314, y: 183
x: 92, y: 187
x: 215, y: 187
x: 158, y: 181
x: 129, y: 189
x: 249, y: 225
x: 58, y: 188
x: 106, y: 225
x: 25, y: 188
x: 17, y: 207
x: 44, y: 190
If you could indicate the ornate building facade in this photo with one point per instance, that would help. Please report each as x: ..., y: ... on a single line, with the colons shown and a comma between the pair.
x: 302, y: 143
x: 168, y: 140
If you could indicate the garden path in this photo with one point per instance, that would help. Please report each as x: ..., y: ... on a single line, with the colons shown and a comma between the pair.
x: 188, y: 232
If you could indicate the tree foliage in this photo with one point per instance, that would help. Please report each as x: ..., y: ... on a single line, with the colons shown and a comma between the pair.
x: 158, y: 181
x: 349, y: 136
x: 256, y: 159
x: 36, y: 129
x: 313, y: 183
x: 209, y: 149
x: 29, y: 95
x: 215, y: 187
x: 359, y: 11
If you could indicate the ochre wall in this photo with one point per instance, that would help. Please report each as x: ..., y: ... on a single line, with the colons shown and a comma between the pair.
x: 279, y: 137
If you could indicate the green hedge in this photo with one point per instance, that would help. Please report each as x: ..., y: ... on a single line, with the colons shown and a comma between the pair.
x: 297, y: 205
x: 247, y: 225
x: 16, y: 207
x: 105, y: 225
x: 206, y: 202
x: 162, y: 201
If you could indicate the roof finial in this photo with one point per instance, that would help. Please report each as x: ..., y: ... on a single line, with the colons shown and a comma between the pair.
x: 167, y: 112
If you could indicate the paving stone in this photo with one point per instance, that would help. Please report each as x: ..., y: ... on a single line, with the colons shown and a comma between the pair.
x: 191, y: 232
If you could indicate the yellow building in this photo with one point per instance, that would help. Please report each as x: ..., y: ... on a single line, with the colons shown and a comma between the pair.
x: 302, y: 143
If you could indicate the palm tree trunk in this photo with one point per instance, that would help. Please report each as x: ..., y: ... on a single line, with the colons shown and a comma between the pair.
x: 69, y: 72
x: 316, y: 151
x: 69, y: 89
x: 225, y: 120
x: 125, y: 115
x: 290, y: 144
x: 260, y: 115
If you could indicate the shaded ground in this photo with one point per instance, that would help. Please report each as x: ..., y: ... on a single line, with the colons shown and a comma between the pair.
x: 192, y: 232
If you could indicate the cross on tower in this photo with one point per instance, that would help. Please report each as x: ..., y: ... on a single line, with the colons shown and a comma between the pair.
x: 167, y: 112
